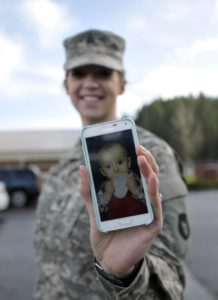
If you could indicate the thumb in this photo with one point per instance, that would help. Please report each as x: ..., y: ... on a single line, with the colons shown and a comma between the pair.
x: 85, y: 192
x: 84, y: 183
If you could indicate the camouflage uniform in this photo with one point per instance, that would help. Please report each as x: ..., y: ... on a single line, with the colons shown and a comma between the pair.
x: 65, y: 259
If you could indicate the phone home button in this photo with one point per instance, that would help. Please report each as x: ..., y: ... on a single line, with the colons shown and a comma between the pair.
x: 125, y: 222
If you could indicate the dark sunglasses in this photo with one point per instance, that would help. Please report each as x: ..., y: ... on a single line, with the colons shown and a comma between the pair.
x: 102, y: 73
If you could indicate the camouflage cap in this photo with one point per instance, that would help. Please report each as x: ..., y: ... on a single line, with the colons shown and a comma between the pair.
x: 94, y: 47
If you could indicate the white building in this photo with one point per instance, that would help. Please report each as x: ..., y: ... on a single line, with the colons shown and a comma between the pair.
x: 42, y: 148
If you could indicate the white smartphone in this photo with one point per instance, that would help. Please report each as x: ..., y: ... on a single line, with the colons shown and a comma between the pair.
x: 118, y: 189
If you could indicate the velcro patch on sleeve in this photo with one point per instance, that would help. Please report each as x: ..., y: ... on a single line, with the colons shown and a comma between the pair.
x: 183, y: 226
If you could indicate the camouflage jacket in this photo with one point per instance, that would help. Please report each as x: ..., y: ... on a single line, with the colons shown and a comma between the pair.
x: 63, y: 252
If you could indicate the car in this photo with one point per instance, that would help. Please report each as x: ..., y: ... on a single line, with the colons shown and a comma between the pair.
x: 4, y: 197
x: 22, y: 184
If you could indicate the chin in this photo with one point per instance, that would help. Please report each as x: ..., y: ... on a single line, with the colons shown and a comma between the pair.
x: 92, y: 119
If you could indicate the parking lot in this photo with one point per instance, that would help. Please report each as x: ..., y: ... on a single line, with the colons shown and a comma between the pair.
x: 17, y: 267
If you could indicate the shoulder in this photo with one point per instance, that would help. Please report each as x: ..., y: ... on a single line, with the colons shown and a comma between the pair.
x: 171, y: 183
x: 152, y: 141
x: 68, y: 163
x: 159, y: 148
x: 61, y: 179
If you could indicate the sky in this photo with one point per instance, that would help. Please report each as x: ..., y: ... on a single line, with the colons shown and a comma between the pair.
x: 172, y: 50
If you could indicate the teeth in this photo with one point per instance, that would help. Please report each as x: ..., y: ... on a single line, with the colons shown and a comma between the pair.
x: 90, y: 98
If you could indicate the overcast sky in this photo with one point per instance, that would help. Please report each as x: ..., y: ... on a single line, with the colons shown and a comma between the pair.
x: 172, y: 50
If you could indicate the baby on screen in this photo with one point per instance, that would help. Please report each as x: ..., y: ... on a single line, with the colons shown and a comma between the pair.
x: 121, y: 194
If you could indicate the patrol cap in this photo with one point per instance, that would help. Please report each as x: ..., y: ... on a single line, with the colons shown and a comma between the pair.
x: 94, y: 47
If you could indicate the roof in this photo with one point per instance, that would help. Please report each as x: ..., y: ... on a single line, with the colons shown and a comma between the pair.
x: 36, y: 144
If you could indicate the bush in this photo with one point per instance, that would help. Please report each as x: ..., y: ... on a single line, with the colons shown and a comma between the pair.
x: 195, y: 183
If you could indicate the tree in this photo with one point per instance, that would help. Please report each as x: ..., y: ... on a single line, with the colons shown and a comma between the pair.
x: 188, y: 124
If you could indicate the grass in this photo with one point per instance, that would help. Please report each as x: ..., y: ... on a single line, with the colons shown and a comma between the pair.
x: 195, y: 183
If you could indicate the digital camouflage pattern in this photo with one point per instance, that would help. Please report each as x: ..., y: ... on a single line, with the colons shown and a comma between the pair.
x: 65, y: 260
x: 94, y: 47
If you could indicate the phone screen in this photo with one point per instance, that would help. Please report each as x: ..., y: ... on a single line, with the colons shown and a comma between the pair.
x: 116, y: 175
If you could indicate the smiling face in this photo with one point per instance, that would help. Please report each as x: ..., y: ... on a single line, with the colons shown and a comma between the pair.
x: 114, y: 161
x: 93, y: 91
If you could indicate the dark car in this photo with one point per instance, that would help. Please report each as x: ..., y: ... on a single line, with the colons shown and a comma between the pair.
x: 22, y: 184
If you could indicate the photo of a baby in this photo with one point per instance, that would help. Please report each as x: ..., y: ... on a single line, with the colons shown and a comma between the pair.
x: 120, y: 193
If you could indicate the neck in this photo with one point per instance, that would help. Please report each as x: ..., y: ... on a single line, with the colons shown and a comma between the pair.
x: 87, y: 122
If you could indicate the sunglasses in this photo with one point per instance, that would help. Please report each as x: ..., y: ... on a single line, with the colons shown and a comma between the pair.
x: 102, y: 73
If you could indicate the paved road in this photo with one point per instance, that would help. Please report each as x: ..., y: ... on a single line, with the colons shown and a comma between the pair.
x: 17, y: 268
x: 203, y: 255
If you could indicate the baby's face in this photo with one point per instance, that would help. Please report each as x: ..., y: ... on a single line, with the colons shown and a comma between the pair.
x: 114, y: 162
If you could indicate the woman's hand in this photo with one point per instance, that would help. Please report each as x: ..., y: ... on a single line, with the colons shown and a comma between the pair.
x: 119, y: 251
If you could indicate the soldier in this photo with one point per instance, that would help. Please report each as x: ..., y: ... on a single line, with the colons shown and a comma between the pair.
x: 75, y: 260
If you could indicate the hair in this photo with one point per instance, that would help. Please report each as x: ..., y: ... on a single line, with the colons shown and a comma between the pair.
x: 110, y: 145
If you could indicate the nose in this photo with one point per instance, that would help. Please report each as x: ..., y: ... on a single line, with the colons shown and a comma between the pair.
x: 115, y: 168
x: 90, y: 82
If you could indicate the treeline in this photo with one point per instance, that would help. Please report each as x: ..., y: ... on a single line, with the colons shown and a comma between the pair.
x: 188, y: 124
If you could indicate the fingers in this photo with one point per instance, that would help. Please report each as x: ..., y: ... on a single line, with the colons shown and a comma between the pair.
x: 150, y: 175
x: 84, y: 183
x: 153, y: 191
x: 85, y: 192
x: 153, y: 187
x: 140, y: 150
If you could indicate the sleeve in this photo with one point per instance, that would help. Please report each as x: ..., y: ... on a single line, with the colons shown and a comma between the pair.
x: 47, y: 282
x: 161, y: 275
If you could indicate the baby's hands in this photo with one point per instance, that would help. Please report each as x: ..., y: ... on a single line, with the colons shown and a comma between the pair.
x: 108, y: 190
x: 133, y: 186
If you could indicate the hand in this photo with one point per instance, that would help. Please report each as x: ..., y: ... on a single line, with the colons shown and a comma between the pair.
x: 119, y: 251
x: 108, y: 190
x: 133, y: 186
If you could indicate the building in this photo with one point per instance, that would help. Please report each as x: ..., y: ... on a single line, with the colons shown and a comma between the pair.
x: 40, y: 148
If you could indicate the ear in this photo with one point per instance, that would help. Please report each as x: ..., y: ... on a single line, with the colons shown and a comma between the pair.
x: 65, y: 84
x: 122, y: 85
